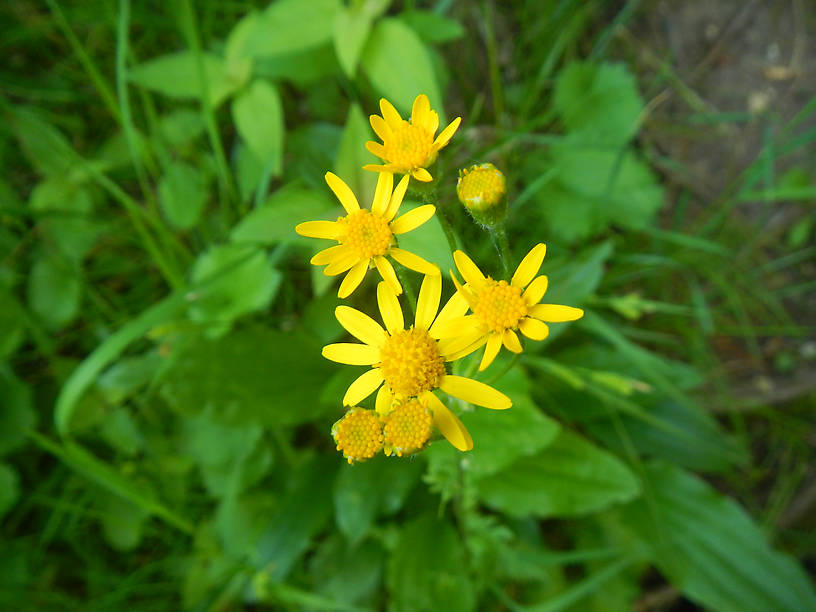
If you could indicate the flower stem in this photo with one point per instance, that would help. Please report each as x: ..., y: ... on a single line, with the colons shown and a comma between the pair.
x: 498, y: 234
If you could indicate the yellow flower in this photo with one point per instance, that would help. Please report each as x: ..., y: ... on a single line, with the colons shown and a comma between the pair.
x: 408, y: 147
x: 480, y: 187
x: 407, y: 428
x: 359, y: 434
x: 366, y: 237
x: 410, y: 363
x: 499, y: 308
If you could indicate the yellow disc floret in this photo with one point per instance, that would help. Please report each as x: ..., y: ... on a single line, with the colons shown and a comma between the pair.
x: 410, y: 362
x: 410, y: 146
x: 407, y: 428
x: 480, y: 187
x: 359, y: 434
x: 368, y: 235
x: 500, y: 305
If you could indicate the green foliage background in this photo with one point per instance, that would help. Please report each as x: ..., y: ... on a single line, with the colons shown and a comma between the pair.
x: 165, y: 420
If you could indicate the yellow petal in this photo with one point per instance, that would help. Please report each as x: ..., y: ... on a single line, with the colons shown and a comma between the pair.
x: 556, y: 313
x: 390, y: 309
x: 534, y: 329
x: 535, y: 291
x: 469, y: 270
x: 455, y: 327
x: 396, y: 199
x: 329, y: 230
x: 456, y: 307
x: 529, y: 266
x: 448, y: 424
x: 343, y: 261
x: 379, y: 167
x: 464, y: 292
x: 475, y: 392
x: 364, y: 386
x: 380, y: 127
x: 467, y: 349
x: 390, y: 114
x: 446, y: 134
x: 419, y: 109
x: 421, y: 174
x: 494, y: 343
x: 511, y: 341
x: 414, y: 262
x: 428, y: 301
x: 412, y: 219
x: 353, y: 279
x: 432, y: 122
x: 384, y: 401
x: 352, y: 354
x: 361, y: 326
x: 343, y: 192
x: 382, y: 195
x: 388, y: 274
x: 329, y: 255
x: 376, y: 148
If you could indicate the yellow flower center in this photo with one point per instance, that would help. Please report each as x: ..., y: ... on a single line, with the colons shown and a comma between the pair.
x: 358, y: 434
x: 480, y: 187
x: 407, y: 427
x: 500, y: 305
x: 368, y: 235
x: 410, y: 362
x: 409, y: 147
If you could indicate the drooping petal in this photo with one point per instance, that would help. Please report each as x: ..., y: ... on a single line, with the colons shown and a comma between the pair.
x: 535, y: 291
x: 376, y: 148
x: 446, y: 134
x: 555, y: 313
x: 379, y: 168
x: 353, y: 279
x: 352, y: 354
x: 469, y: 270
x: 389, y: 113
x: 384, y: 400
x: 511, y: 341
x: 414, y: 262
x: 390, y: 309
x: 419, y: 110
x: 529, y: 266
x: 361, y: 326
x: 475, y: 392
x: 364, y: 386
x: 327, y: 256
x: 455, y: 307
x: 329, y: 230
x: 380, y: 127
x: 534, y: 329
x: 344, y: 260
x: 343, y: 192
x: 382, y: 195
x: 412, y: 219
x: 448, y: 423
x: 464, y: 292
x: 388, y: 274
x: 455, y: 326
x: 428, y: 301
x: 494, y: 343
x: 421, y: 174
x: 396, y: 199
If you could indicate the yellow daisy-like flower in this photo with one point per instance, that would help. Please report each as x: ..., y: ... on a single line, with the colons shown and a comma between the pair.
x: 409, y: 147
x: 500, y: 308
x: 410, y: 363
x: 366, y: 237
x: 359, y: 434
x: 407, y: 428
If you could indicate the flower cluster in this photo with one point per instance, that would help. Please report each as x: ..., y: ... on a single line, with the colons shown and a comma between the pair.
x: 409, y: 365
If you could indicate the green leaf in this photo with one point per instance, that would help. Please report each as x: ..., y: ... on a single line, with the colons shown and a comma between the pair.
x: 711, y: 549
x: 352, y: 24
x: 177, y: 75
x: 365, y: 490
x: 600, y: 102
x: 12, y: 325
x: 347, y: 572
x: 258, y: 116
x: 182, y: 194
x: 122, y: 522
x: 129, y: 375
x: 121, y: 432
x: 352, y: 156
x: 245, y: 377
x: 427, y: 569
x: 17, y: 415
x: 433, y: 27
x: 399, y: 66
x: 65, y: 220
x: 9, y: 488
x: 275, y: 221
x: 44, y: 146
x: 571, y: 477
x: 180, y: 127
x: 54, y: 291
x: 249, y: 285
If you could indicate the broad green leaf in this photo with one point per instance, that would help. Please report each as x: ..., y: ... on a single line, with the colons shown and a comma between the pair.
x: 180, y: 127
x: 245, y: 377
x: 348, y: 572
x: 352, y: 25
x: 364, y: 491
x: 575, y: 278
x: 54, y: 291
x: 258, y: 116
x: 571, y: 477
x: 250, y: 171
x: 121, y: 431
x: 711, y: 549
x: 249, y: 285
x: 122, y: 522
x: 129, y: 375
x: 398, y: 64
x: 239, y: 521
x: 599, y: 101
x: 304, y: 69
x: 9, y: 488
x: 312, y: 149
x: 12, y: 327
x: 427, y: 569
x: 433, y: 27
x: 177, y: 76
x: 17, y: 415
x: 44, y: 146
x: 182, y: 194
x: 65, y: 220
x: 275, y: 221
x: 352, y: 156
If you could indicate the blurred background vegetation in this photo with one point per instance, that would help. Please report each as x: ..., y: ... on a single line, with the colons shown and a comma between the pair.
x: 164, y: 408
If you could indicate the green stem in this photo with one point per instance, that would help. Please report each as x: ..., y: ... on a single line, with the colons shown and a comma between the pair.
x: 498, y: 234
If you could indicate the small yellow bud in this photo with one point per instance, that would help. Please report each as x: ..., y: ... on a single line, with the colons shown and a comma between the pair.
x: 359, y: 434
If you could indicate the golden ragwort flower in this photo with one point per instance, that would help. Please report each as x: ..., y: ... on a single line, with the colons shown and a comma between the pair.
x: 410, y: 363
x: 367, y: 237
x: 480, y: 187
x: 409, y: 147
x: 359, y: 434
x: 499, y: 308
